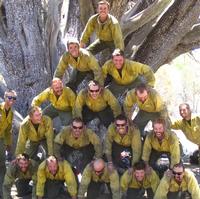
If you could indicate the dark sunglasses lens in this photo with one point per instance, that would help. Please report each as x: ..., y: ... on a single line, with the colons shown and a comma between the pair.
x: 77, y: 127
x: 94, y: 91
x: 11, y: 98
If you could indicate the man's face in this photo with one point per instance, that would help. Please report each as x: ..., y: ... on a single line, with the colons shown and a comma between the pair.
x: 178, y: 173
x: 185, y: 112
x: 118, y: 61
x: 158, y: 130
x: 23, y: 165
x: 139, y: 175
x: 77, y: 129
x: 121, y: 126
x: 73, y: 49
x: 10, y: 99
x: 57, y: 87
x: 94, y: 91
x: 103, y: 10
x: 99, y: 169
x: 53, y: 167
x: 36, y: 118
x: 142, y: 96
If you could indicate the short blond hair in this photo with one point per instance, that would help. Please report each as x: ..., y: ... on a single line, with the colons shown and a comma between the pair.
x: 33, y: 109
x: 104, y: 2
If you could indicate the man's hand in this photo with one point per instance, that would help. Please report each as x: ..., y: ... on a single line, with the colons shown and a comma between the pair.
x: 82, y: 45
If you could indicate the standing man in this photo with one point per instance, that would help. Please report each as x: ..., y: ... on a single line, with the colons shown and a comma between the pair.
x: 107, y: 29
x: 137, y: 180
x: 123, y: 144
x: 178, y: 184
x: 62, y: 100
x: 36, y: 129
x: 95, y: 176
x: 83, y: 64
x: 96, y: 101
x: 77, y: 139
x: 161, y: 142
x: 126, y: 74
x: 20, y: 171
x: 51, y: 176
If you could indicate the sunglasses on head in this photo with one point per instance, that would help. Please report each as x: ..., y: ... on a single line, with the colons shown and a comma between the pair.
x: 11, y: 97
x: 94, y: 91
x: 77, y: 127
x: 177, y: 173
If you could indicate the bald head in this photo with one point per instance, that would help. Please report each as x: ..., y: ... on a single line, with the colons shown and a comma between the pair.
x: 98, y: 166
x: 57, y: 86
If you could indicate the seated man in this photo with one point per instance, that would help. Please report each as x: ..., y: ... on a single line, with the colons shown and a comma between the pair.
x: 95, y: 176
x: 51, y: 176
x: 159, y: 145
x: 20, y: 171
x: 83, y: 63
x: 6, y: 119
x: 77, y: 144
x: 135, y: 181
x: 178, y: 184
x: 96, y: 101
x: 62, y: 100
x: 36, y: 129
x: 122, y: 142
x: 189, y: 124
x: 126, y: 74
x: 149, y: 102
x: 107, y: 29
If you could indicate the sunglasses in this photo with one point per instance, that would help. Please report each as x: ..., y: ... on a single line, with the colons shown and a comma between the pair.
x: 177, y: 173
x: 11, y: 97
x: 94, y: 91
x: 77, y: 127
x: 120, y: 125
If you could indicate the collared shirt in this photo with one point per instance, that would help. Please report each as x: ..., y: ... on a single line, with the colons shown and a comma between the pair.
x: 132, y: 138
x: 130, y: 71
x: 28, y: 132
x: 6, y: 124
x: 170, y: 143
x: 85, y: 62
x: 64, y: 102
x: 108, y: 176
x: 107, y: 31
x: 105, y: 98
x: 87, y: 137
x: 128, y: 180
x: 189, y: 183
x: 191, y: 131
x: 64, y: 173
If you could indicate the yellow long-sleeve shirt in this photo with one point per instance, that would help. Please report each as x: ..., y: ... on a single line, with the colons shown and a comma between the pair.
x: 106, y: 98
x: 64, y: 173
x: 191, y: 130
x: 87, y: 137
x: 108, y: 176
x: 85, y: 62
x: 130, y: 71
x: 107, y: 31
x: 168, y: 184
x: 65, y: 102
x: 128, y: 180
x: 132, y: 139
x: 28, y: 132
x: 6, y: 124
x: 170, y: 143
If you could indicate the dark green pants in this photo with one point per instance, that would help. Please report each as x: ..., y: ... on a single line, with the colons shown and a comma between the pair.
x: 2, y: 165
x: 139, y: 193
x: 179, y: 195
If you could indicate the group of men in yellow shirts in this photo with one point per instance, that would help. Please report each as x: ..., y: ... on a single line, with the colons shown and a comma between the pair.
x: 127, y: 162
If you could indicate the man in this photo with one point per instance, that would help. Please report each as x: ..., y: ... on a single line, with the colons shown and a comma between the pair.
x: 135, y: 181
x: 126, y: 73
x: 20, y: 171
x: 149, y: 102
x: 178, y: 184
x: 161, y: 143
x: 77, y: 139
x: 107, y: 29
x: 189, y: 124
x: 6, y: 118
x: 122, y: 142
x: 62, y: 100
x: 95, y: 176
x: 36, y: 129
x: 96, y: 101
x: 51, y: 176
x: 82, y: 62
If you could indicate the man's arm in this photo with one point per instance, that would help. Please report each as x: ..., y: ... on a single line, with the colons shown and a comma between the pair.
x: 147, y: 149
x: 42, y: 97
x: 21, y: 142
x: 80, y: 102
